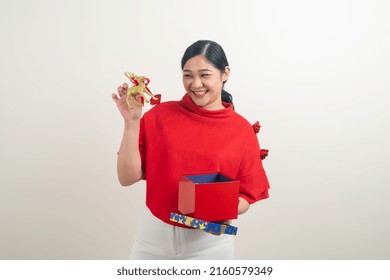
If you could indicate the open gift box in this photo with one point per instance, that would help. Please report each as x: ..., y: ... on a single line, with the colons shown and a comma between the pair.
x: 209, y: 197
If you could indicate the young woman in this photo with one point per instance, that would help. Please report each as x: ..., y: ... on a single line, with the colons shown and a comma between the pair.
x: 199, y: 134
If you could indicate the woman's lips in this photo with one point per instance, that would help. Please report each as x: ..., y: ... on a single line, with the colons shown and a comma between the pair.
x: 199, y: 93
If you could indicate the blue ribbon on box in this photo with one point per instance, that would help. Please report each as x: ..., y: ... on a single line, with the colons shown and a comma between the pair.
x: 213, y: 228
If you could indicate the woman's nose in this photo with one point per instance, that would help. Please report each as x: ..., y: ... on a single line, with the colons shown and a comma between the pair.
x: 197, y: 83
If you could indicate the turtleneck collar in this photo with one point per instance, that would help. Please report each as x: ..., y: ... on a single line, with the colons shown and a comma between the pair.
x: 187, y: 102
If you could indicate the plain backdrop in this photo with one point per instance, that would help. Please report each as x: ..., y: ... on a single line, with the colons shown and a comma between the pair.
x: 316, y: 74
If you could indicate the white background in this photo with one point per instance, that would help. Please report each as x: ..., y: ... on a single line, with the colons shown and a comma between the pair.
x: 314, y: 73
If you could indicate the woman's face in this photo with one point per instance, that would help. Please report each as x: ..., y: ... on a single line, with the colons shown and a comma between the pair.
x: 203, y: 82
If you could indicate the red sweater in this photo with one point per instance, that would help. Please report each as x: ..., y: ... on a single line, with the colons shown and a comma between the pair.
x: 179, y: 137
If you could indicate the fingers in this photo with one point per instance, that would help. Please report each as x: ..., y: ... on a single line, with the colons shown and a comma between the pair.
x: 122, y: 90
x: 227, y: 222
x: 115, y: 97
x: 224, y: 222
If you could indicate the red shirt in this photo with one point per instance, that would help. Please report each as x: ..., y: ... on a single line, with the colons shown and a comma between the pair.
x: 179, y: 137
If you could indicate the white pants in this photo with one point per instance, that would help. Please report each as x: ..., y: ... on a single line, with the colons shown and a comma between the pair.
x: 156, y: 240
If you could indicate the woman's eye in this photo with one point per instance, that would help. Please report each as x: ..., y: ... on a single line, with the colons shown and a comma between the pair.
x: 187, y: 76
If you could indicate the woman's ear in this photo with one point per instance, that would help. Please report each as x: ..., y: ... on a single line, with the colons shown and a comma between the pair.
x: 226, y: 74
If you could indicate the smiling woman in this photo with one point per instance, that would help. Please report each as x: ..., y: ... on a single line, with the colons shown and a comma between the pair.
x: 206, y: 70
x: 184, y: 137
x: 203, y: 82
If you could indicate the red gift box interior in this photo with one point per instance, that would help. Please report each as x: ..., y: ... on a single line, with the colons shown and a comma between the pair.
x: 209, y: 197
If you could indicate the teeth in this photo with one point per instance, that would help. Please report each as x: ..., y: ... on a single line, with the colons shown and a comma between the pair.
x: 200, y: 92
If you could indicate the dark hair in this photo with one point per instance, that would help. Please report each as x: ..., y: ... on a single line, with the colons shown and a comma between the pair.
x: 214, y: 53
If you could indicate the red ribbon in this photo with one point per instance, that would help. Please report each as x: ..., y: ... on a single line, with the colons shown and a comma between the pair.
x: 263, y: 153
x: 156, y: 101
x: 256, y: 127
x: 135, y: 82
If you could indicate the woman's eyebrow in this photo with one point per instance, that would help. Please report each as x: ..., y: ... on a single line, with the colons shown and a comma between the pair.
x: 200, y: 70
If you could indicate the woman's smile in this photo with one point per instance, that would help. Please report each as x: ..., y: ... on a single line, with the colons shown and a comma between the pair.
x: 199, y: 93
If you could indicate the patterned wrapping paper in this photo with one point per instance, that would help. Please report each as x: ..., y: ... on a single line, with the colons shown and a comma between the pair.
x: 213, y: 228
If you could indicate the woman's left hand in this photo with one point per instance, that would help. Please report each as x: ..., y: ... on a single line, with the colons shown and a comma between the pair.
x: 243, y: 206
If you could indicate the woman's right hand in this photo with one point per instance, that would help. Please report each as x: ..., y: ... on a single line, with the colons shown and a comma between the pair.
x: 133, y: 114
